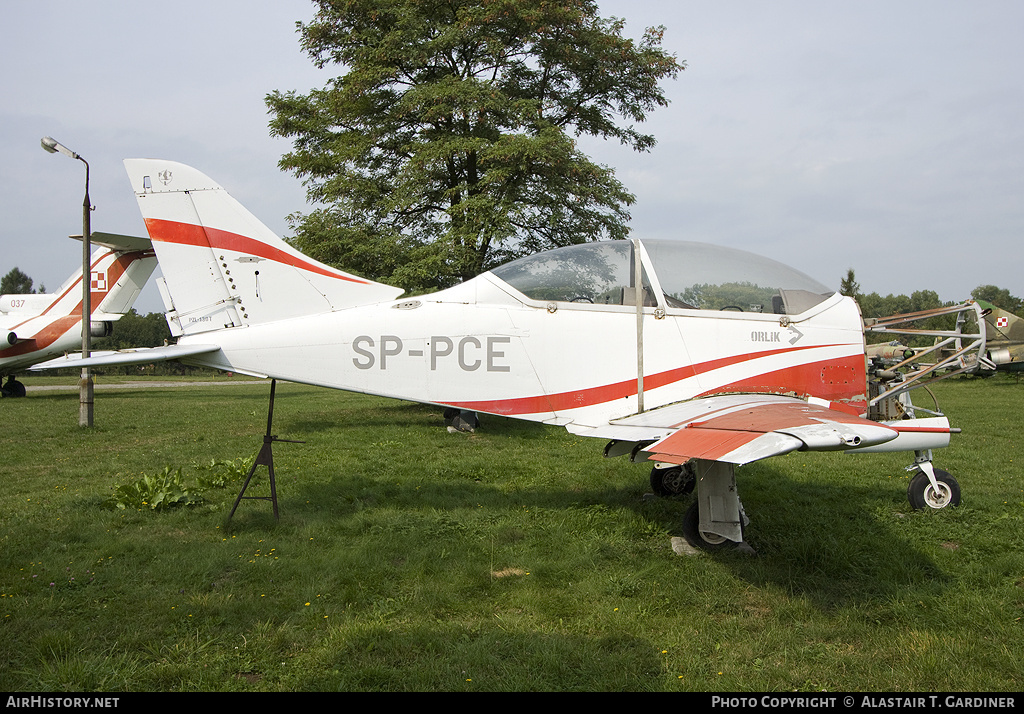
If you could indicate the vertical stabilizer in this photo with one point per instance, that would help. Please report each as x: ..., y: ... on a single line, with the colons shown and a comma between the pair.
x: 1003, y: 326
x: 116, y: 277
x: 1005, y: 338
x: 222, y: 267
x: 119, y: 272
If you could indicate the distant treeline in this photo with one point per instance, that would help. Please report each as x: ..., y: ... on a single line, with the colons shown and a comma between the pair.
x: 874, y: 305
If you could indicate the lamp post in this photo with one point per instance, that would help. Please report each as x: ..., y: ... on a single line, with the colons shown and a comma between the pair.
x: 85, y: 386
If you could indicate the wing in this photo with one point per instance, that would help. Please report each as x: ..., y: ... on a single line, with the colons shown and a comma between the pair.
x: 142, y: 355
x: 739, y: 429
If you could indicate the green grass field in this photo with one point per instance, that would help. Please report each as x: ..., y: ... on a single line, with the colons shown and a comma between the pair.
x: 512, y: 559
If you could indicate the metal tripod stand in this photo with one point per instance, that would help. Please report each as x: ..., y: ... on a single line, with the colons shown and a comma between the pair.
x: 264, y: 458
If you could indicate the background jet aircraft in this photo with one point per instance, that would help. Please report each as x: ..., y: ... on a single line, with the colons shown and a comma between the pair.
x: 35, y: 327
x: 999, y: 335
x: 694, y: 357
x: 1005, y: 338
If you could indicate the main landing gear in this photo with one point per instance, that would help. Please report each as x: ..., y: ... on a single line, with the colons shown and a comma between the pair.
x: 715, y: 520
x: 13, y: 388
x: 673, y: 480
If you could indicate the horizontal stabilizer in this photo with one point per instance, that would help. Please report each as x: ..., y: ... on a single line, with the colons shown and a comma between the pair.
x: 115, y: 241
x: 141, y: 355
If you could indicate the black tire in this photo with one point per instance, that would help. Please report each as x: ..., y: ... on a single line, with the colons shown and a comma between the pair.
x: 921, y: 494
x: 14, y: 388
x: 673, y: 481
x: 703, y: 541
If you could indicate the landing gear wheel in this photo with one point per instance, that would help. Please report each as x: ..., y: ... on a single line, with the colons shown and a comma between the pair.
x: 460, y: 419
x: 920, y: 492
x: 698, y: 539
x: 14, y: 388
x: 672, y: 481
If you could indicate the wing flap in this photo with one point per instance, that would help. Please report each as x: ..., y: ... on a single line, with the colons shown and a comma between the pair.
x: 738, y: 447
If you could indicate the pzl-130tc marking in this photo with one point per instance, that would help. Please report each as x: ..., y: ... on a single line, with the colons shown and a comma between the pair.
x: 695, y: 357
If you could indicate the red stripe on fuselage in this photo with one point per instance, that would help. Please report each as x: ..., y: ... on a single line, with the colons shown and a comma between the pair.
x: 799, y: 379
x: 806, y: 379
x: 44, y: 338
x: 189, y: 234
x: 921, y: 429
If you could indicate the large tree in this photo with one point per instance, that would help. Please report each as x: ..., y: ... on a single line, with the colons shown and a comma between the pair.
x: 447, y: 143
x: 16, y: 282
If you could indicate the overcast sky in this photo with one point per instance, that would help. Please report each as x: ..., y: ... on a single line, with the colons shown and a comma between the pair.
x: 887, y: 137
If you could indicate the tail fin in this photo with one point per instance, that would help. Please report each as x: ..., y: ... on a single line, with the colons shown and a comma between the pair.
x: 221, y: 266
x: 117, y: 274
x: 1002, y: 325
x: 1004, y: 333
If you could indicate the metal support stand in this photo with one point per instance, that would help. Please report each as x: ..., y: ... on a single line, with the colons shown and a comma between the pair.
x: 264, y: 458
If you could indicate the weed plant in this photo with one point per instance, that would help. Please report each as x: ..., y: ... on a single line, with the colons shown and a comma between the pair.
x: 515, y: 558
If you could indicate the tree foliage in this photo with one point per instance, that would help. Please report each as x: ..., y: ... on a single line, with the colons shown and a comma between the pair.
x: 710, y: 296
x: 448, y: 143
x: 849, y: 285
x: 16, y: 282
x: 1000, y: 297
x: 873, y: 305
x: 135, y: 330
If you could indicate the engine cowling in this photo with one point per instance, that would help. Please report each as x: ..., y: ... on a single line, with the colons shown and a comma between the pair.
x: 1001, y: 355
x: 102, y: 328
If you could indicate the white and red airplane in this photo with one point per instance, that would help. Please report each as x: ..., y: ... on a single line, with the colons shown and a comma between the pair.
x: 695, y: 357
x: 36, y: 327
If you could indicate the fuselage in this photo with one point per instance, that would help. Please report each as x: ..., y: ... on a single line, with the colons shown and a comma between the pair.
x: 52, y: 336
x: 486, y: 347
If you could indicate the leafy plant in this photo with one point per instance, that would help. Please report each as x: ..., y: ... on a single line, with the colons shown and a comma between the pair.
x: 164, y: 490
x: 223, y: 472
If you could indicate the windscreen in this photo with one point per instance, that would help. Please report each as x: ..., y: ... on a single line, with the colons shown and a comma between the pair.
x: 697, y: 276
x: 710, y: 277
x: 600, y: 273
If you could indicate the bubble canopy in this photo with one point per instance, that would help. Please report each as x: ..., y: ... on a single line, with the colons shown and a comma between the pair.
x: 697, y: 276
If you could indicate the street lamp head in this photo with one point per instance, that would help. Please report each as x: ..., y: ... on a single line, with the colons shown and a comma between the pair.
x: 53, y: 146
